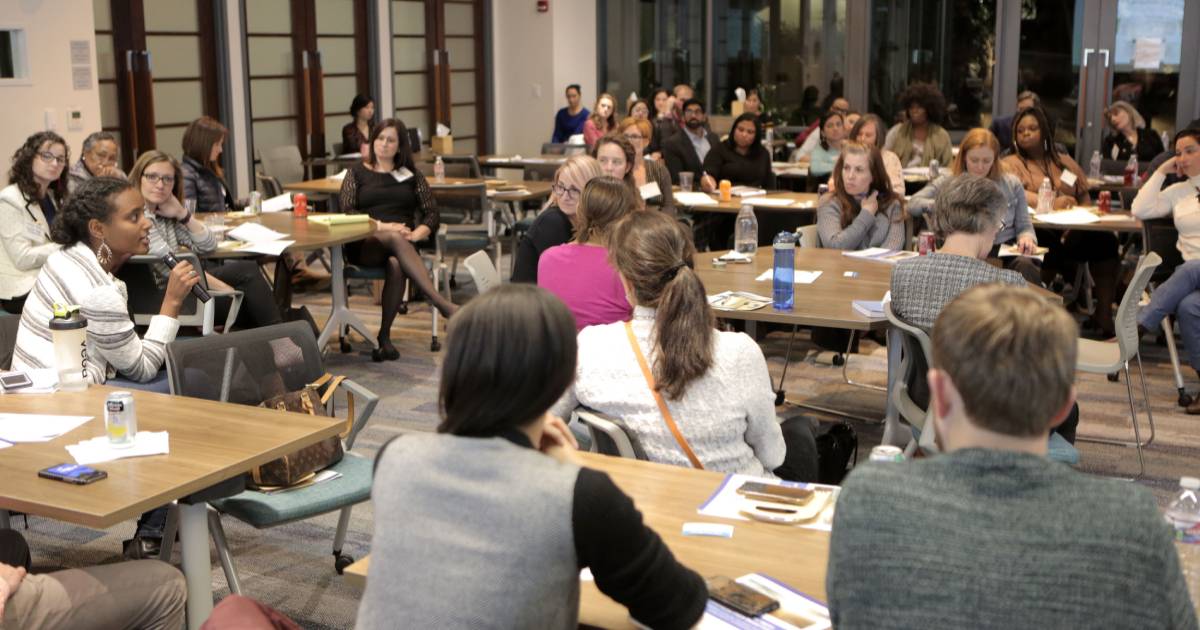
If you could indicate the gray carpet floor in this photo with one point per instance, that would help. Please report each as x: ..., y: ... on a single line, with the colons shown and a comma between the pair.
x: 291, y: 568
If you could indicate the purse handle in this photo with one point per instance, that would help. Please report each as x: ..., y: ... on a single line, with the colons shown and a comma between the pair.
x: 662, y: 404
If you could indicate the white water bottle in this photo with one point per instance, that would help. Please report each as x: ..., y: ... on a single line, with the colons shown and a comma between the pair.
x: 1045, y: 197
x: 745, y: 239
x: 1094, y: 167
x: 439, y: 170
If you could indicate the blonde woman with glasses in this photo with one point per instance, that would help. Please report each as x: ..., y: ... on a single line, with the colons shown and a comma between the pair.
x: 555, y: 224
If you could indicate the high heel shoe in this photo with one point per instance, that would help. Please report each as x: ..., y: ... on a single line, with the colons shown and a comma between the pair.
x: 384, y: 353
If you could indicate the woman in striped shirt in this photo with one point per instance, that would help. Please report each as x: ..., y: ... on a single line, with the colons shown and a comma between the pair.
x: 102, y: 225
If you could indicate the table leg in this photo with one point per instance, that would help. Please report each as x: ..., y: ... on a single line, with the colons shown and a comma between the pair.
x: 341, y: 315
x: 197, y: 567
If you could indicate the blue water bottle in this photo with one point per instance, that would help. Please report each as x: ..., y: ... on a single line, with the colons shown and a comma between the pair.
x: 784, y: 271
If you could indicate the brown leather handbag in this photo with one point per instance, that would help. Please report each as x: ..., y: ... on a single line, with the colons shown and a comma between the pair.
x: 296, y: 467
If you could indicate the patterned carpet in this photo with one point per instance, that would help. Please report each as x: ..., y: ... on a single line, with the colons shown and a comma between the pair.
x: 291, y: 568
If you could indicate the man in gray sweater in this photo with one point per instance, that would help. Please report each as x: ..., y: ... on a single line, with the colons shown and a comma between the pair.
x: 992, y: 534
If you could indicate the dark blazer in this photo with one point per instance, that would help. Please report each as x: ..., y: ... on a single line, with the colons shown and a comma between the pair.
x: 680, y: 155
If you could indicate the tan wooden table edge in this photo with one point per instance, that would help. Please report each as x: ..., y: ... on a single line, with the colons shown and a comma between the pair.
x: 309, y: 239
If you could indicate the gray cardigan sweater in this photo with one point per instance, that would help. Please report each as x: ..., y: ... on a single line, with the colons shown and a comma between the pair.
x: 980, y: 538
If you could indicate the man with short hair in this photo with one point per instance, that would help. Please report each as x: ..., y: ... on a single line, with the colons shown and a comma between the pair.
x: 1002, y: 127
x: 685, y: 152
x: 992, y: 534
x: 569, y: 120
x: 98, y: 159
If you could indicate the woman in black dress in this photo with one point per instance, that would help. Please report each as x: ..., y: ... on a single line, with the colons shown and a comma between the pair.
x: 388, y: 186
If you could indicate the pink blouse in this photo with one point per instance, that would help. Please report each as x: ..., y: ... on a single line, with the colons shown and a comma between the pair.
x: 582, y: 278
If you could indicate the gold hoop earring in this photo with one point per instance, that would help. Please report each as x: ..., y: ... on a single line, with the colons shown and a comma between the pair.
x: 104, y: 253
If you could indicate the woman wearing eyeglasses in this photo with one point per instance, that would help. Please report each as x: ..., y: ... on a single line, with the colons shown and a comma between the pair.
x: 38, y: 185
x: 556, y: 222
x: 160, y: 180
x: 647, y: 171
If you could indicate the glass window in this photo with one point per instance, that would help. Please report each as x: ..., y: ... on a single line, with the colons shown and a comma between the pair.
x: 1051, y: 38
x: 948, y: 43
x: 1147, y: 55
x: 670, y: 46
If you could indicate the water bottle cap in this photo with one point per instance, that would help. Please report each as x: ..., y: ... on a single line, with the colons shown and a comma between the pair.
x: 66, y: 317
x: 1189, y: 483
x: 785, y: 238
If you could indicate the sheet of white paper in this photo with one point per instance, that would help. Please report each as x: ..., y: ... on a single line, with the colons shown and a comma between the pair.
x: 98, y: 450
x: 770, y: 202
x: 747, y: 191
x: 32, y: 427
x: 735, y: 256
x: 796, y: 611
x: 4, y: 444
x: 650, y: 190
x: 801, y: 276
x: 254, y: 233
x: 727, y: 503
x: 694, y: 199
x: 916, y: 170
x: 270, y: 248
x: 1074, y: 216
x: 338, y: 176
x: 1012, y: 251
x: 278, y: 203
x: 1147, y: 53
x: 42, y: 381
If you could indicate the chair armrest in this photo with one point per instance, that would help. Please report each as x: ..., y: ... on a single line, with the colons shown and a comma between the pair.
x: 364, y: 405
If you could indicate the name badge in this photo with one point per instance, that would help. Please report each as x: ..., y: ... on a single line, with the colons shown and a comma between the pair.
x: 402, y: 174
x: 650, y: 190
x: 1068, y: 178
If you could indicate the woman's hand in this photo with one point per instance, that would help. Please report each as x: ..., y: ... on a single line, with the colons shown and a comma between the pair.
x: 871, y: 203
x: 708, y: 184
x: 558, y: 441
x: 1062, y: 202
x: 419, y: 234
x: 1170, y: 167
x: 183, y: 277
x: 1026, y: 244
x: 171, y: 209
x: 10, y: 580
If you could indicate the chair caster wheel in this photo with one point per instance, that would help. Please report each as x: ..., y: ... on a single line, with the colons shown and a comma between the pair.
x: 435, y: 345
x: 838, y: 360
x: 402, y: 309
x: 780, y: 397
x: 341, y: 561
x: 1114, y: 377
x: 344, y: 346
x: 1185, y: 399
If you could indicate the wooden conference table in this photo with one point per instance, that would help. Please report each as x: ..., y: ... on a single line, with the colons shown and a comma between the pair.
x: 800, y: 202
x: 210, y: 442
x: 1113, y: 222
x: 668, y: 497
x: 525, y: 190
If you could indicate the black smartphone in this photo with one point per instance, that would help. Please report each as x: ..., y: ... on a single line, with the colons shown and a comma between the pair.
x: 12, y: 381
x: 742, y: 599
x: 73, y: 473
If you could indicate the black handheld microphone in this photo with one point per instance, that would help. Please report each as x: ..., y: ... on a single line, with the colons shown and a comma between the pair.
x: 170, y: 260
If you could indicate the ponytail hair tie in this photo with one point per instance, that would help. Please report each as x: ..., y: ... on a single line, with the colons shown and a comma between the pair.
x: 670, y: 274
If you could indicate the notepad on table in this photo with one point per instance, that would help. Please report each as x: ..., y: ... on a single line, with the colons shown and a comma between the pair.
x: 881, y: 254
x: 746, y: 191
x: 872, y: 309
x: 1074, y: 216
x: 254, y: 233
x: 694, y: 199
x: 338, y: 218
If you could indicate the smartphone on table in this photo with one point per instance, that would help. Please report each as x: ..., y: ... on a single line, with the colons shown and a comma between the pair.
x: 739, y: 597
x: 73, y: 473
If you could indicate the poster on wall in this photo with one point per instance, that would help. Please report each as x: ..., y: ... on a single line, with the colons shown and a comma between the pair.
x: 81, y: 64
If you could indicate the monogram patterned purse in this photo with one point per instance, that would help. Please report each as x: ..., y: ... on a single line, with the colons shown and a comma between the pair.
x: 297, y: 467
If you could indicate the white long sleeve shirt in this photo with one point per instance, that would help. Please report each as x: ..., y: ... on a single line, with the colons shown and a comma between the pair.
x: 1181, y: 200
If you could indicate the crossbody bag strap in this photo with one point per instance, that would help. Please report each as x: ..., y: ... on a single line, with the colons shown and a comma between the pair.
x: 662, y: 404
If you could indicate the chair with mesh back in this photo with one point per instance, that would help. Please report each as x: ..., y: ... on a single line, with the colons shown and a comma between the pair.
x: 1161, y: 237
x: 248, y: 367
x: 284, y: 163
x: 269, y: 186
x: 462, y: 166
x: 9, y: 324
x: 610, y: 435
x: 462, y: 239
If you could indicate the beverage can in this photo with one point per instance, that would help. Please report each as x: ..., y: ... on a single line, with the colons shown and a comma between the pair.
x: 256, y: 202
x: 300, y: 205
x: 120, y: 419
x: 886, y: 453
x: 1104, y: 204
x: 926, y: 243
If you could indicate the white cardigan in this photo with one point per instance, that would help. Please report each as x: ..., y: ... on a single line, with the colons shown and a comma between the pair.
x: 24, y: 242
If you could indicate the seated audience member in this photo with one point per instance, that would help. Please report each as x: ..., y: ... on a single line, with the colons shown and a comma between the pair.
x: 1180, y: 294
x: 753, y: 103
x: 741, y: 158
x: 144, y: 594
x: 161, y: 183
x: 602, y: 121
x: 1130, y: 136
x: 98, y: 159
x: 36, y: 191
x: 651, y: 146
x: 356, y: 132
x: 639, y: 109
x: 850, y: 119
x: 832, y: 135
x: 617, y: 157
x: 647, y: 171
x: 497, y: 503
x: 993, y: 534
x: 861, y: 210
x: 671, y: 357
x: 978, y: 155
x: 686, y: 151
x: 390, y: 188
x: 1168, y: 153
x: 579, y: 272
x: 1002, y: 127
x: 869, y: 132
x: 555, y: 224
x: 810, y: 139
x: 921, y: 139
x: 569, y: 120
x: 664, y: 121
x: 1035, y: 158
x: 683, y: 93
x: 970, y: 211
x: 203, y: 178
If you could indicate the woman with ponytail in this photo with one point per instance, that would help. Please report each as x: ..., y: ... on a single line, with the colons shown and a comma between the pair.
x: 711, y: 404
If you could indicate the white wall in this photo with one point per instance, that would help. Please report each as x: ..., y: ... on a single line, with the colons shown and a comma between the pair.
x: 50, y: 26
x: 536, y: 56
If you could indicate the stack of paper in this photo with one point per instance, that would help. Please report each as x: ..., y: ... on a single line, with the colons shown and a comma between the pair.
x: 259, y: 239
x: 796, y: 610
x: 97, y: 450
x: 734, y: 256
x: 881, y: 254
x: 694, y: 199
x: 1074, y: 216
x: 737, y: 301
x: 871, y: 309
x: 746, y: 191
x: 1012, y: 251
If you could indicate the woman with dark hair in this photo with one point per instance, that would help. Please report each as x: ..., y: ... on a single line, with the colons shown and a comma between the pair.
x: 714, y: 385
x: 920, y: 139
x: 37, y: 188
x: 356, y: 132
x: 617, y: 157
x: 861, y: 209
x: 833, y: 133
x: 663, y: 120
x: 388, y: 186
x: 869, y: 131
x: 579, y: 272
x: 203, y: 177
x: 1036, y: 159
x: 498, y: 495
x: 741, y: 158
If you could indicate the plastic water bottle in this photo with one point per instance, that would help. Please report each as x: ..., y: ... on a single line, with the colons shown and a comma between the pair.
x: 1045, y: 197
x: 1131, y: 170
x: 745, y: 238
x: 784, y: 271
x: 1094, y: 167
x: 933, y: 170
x: 439, y: 170
x: 1166, y: 138
x: 1183, y: 514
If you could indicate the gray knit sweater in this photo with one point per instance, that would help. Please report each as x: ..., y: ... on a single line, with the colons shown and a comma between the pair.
x: 994, y: 539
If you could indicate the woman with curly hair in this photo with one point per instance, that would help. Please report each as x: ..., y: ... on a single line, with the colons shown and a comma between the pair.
x: 921, y: 139
x: 38, y: 185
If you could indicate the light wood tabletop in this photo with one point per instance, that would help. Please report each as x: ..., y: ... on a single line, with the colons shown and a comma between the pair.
x: 511, y: 161
x: 308, y: 235
x: 668, y: 497
x: 498, y: 188
x: 734, y: 205
x: 209, y: 441
x: 825, y: 302
x: 1112, y: 222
